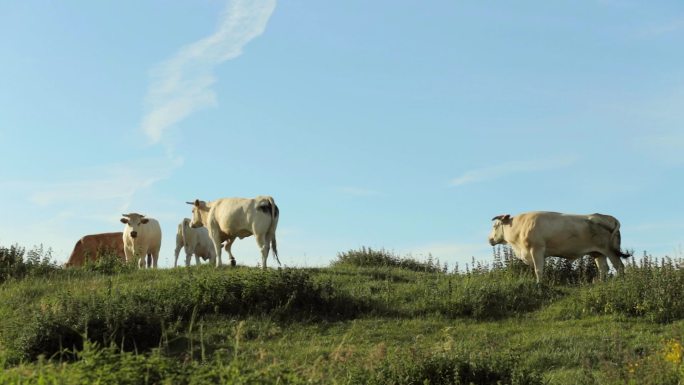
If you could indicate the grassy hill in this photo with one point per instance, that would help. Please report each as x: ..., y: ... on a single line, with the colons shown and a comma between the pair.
x: 369, y: 318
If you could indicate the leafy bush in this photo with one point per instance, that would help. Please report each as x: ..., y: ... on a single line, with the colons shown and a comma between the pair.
x: 112, y: 310
x: 367, y: 257
x: 557, y: 271
x: 449, y: 369
x: 109, y: 264
x: 111, y: 366
x: 497, y: 296
x: 17, y: 263
x: 652, y: 290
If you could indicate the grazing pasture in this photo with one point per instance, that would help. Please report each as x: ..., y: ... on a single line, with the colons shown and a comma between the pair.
x: 370, y: 318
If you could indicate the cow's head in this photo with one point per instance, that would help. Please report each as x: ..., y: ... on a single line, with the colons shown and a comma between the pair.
x: 496, y: 237
x: 134, y: 221
x: 199, y: 213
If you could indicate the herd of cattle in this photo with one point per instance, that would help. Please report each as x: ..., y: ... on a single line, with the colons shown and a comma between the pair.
x: 533, y: 235
x: 212, y: 223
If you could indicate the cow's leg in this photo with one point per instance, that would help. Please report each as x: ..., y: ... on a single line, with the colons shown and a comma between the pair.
x: 537, y: 254
x: 215, y: 236
x: 155, y: 259
x: 217, y: 256
x: 177, y: 252
x: 229, y: 244
x: 617, y: 263
x: 601, y: 264
x: 197, y: 260
x: 264, y: 246
x: 188, y: 255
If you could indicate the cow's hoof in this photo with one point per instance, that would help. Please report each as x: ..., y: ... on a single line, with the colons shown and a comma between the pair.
x: 233, y: 263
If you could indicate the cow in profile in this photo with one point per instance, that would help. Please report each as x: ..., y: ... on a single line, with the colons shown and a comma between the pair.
x: 193, y: 241
x: 231, y: 218
x: 536, y: 235
x: 93, y: 246
x: 141, y: 238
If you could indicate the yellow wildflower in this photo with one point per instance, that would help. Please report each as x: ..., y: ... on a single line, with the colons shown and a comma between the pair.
x: 674, y: 351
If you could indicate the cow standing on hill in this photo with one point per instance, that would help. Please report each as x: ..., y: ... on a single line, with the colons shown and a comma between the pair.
x: 93, y: 246
x: 536, y: 235
x: 193, y: 241
x: 141, y: 238
x: 230, y: 218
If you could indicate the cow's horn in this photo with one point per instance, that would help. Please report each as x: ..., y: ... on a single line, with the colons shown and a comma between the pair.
x: 190, y: 203
x: 126, y: 215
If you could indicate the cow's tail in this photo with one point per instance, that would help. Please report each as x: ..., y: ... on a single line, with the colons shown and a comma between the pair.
x: 616, y: 240
x: 186, y: 225
x: 275, y: 213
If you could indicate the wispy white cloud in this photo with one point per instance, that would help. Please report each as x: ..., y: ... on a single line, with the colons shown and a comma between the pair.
x: 182, y: 85
x: 508, y: 168
x: 112, y: 182
x: 359, y: 192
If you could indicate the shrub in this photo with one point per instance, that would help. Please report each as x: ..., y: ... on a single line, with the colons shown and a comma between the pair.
x: 111, y: 366
x: 367, y: 257
x: 135, y: 316
x: 651, y: 290
x: 557, y: 271
x: 109, y: 264
x: 449, y: 369
x: 17, y: 263
x: 496, y: 296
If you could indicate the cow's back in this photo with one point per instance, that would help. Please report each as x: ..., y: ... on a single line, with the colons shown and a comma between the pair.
x: 233, y: 215
x: 566, y: 235
x: 91, y: 246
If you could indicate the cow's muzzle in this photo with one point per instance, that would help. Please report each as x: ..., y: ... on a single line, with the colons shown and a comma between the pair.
x: 134, y: 234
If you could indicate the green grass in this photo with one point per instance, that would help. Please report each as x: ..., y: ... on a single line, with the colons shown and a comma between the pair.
x: 347, y: 324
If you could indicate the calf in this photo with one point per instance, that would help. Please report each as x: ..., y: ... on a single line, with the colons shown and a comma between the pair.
x: 193, y: 241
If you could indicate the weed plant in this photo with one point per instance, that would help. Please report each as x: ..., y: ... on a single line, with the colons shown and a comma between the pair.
x: 367, y: 257
x: 17, y: 263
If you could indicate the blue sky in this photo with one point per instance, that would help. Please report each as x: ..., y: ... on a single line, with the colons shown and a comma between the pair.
x: 397, y: 124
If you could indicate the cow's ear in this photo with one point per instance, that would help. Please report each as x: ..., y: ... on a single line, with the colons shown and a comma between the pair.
x: 124, y: 220
x: 506, y: 218
x: 197, y: 203
x: 144, y: 220
x: 190, y: 203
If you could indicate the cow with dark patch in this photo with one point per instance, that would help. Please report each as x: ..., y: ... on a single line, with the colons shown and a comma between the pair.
x: 230, y: 218
x: 536, y: 235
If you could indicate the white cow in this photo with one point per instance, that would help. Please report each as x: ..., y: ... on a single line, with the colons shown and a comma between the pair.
x: 194, y: 241
x: 142, y: 238
x: 536, y: 235
x: 230, y: 218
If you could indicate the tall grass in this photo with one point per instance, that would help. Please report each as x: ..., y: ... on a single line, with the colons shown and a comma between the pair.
x: 110, y: 323
x: 134, y: 311
x: 650, y: 288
